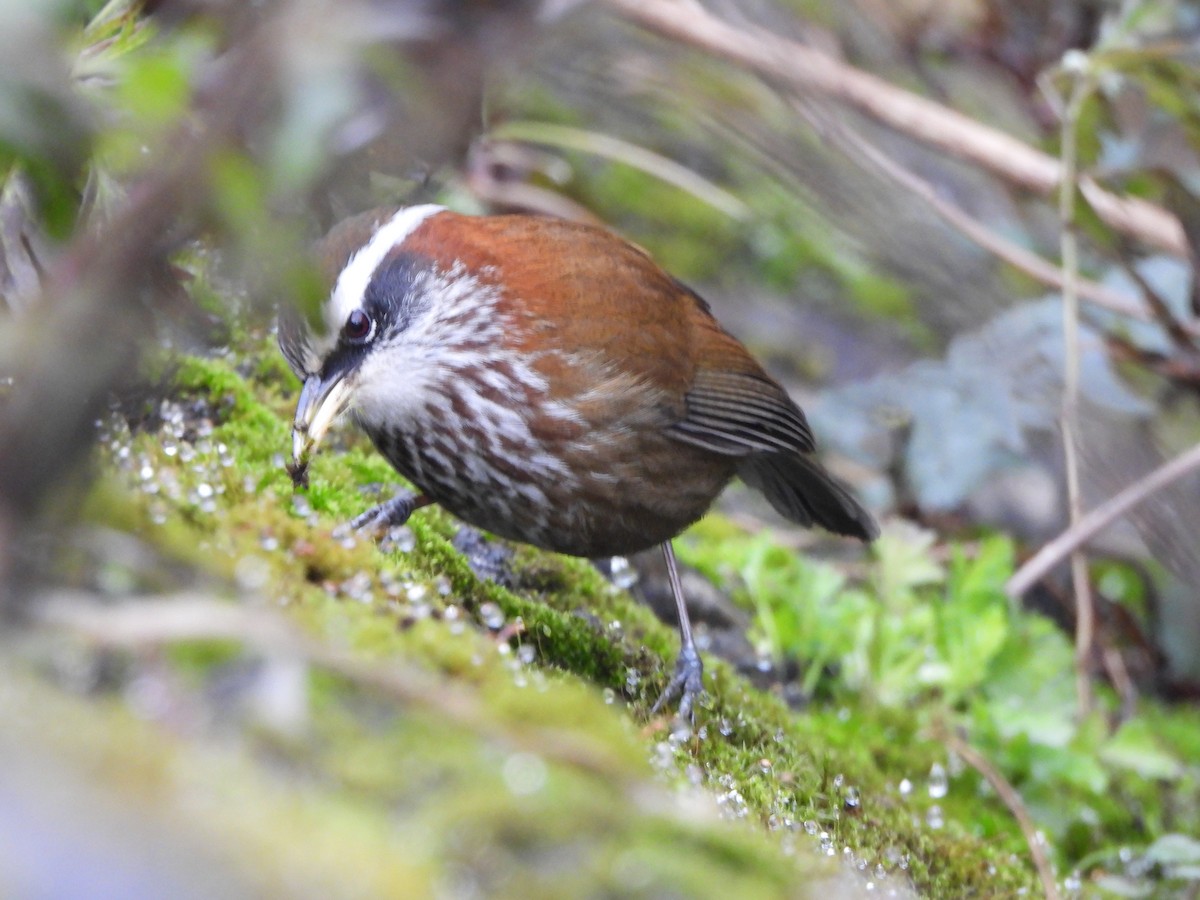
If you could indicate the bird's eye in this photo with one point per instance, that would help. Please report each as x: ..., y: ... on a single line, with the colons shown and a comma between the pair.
x: 359, y: 327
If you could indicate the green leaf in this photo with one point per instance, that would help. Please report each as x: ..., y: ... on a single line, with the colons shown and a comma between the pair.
x: 1136, y: 748
x: 1174, y: 850
x: 1030, y: 689
x: 155, y: 89
x: 904, y: 563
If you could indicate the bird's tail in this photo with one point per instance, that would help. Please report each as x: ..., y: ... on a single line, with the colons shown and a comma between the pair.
x: 802, y: 491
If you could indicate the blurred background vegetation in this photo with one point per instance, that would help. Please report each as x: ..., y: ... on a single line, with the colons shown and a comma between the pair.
x: 209, y: 689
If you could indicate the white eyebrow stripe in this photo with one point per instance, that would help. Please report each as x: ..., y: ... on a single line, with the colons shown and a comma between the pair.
x: 352, y: 283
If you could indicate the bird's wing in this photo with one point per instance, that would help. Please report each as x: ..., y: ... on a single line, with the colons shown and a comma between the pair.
x: 738, y: 413
x: 733, y: 407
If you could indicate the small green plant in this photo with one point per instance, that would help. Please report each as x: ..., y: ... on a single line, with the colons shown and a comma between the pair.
x: 928, y: 630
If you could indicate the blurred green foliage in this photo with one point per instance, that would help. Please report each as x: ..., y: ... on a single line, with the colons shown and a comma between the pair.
x: 929, y: 630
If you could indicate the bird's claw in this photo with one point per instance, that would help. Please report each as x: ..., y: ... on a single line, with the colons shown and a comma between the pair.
x: 389, y: 514
x: 687, y: 683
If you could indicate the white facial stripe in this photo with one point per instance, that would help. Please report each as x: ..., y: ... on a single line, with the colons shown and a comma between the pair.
x: 352, y: 282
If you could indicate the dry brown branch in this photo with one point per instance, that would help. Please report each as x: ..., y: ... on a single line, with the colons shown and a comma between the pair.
x: 1119, y: 677
x: 1009, y: 796
x: 1038, y: 565
x: 1005, y: 250
x: 198, y: 617
x: 85, y: 336
x: 807, y: 69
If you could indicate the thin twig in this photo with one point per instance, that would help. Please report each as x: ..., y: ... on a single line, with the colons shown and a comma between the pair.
x: 1178, y: 332
x: 606, y: 145
x: 1009, y: 797
x: 1038, y: 565
x: 1085, y: 612
x: 808, y: 69
x: 1118, y: 675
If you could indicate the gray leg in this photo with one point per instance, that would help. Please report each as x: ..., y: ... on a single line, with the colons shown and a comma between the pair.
x: 688, y: 681
x: 390, y: 513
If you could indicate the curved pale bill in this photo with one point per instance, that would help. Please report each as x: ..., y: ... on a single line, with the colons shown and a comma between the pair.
x: 320, y: 403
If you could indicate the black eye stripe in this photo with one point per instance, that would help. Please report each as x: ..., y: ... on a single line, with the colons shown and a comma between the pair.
x: 389, y: 295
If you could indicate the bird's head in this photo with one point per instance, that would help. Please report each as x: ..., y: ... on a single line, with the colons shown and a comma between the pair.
x: 405, y: 310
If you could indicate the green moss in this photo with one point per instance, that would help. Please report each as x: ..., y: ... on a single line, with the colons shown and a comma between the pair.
x: 765, y: 762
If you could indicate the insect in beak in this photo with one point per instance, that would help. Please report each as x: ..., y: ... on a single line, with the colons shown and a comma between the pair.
x: 321, y: 402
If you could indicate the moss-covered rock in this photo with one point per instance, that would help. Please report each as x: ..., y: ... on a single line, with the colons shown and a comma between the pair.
x: 522, y: 759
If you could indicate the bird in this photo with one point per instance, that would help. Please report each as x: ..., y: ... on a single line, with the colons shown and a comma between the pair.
x: 546, y: 381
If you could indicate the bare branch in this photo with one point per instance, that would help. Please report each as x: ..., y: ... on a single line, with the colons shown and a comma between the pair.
x: 808, y: 69
x: 1038, y: 565
x: 1007, y: 251
x: 1009, y: 796
x: 197, y: 617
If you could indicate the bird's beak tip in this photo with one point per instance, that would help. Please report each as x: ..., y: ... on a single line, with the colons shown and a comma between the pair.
x: 301, y: 451
x: 319, y: 404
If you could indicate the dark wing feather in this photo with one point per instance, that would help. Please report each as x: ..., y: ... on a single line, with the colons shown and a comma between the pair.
x: 800, y: 489
x: 736, y: 413
x: 739, y: 411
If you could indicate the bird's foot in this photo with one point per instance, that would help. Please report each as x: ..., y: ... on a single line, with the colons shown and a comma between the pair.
x: 687, y: 684
x: 389, y: 514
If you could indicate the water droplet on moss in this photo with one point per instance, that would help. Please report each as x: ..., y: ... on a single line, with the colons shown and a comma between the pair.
x: 939, y: 784
x: 934, y: 817
x: 524, y: 773
x: 252, y: 573
x: 663, y: 756
x: 492, y: 616
x: 399, y: 538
